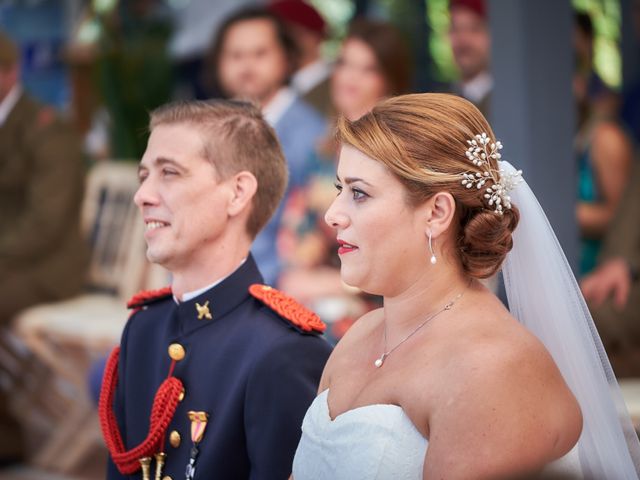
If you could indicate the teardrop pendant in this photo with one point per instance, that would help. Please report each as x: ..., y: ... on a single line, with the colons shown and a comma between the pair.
x: 378, y: 363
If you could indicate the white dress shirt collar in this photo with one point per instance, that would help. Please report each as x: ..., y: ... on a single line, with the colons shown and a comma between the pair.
x: 279, y: 104
x: 9, y: 102
x: 478, y: 87
x: 309, y: 76
x: 194, y: 293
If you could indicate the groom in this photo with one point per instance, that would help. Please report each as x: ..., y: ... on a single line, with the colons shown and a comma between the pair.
x: 214, y: 375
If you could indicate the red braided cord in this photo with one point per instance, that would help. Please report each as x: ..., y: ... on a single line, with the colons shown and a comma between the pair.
x: 162, y: 411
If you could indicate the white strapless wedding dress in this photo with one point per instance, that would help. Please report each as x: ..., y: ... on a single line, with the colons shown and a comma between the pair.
x: 374, y: 442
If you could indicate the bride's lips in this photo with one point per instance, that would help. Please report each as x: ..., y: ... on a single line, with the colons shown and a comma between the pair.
x: 344, y: 247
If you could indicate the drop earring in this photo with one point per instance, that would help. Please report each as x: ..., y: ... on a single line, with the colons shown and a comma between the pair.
x: 433, y: 255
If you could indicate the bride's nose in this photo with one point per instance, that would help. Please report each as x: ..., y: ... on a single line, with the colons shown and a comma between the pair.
x: 335, y: 217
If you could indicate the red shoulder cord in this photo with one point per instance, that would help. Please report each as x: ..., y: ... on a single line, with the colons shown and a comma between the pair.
x: 164, y: 406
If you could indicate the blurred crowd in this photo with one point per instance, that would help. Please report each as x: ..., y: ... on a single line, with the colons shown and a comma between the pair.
x: 271, y: 54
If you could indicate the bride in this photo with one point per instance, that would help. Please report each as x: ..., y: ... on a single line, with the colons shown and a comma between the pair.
x: 443, y: 381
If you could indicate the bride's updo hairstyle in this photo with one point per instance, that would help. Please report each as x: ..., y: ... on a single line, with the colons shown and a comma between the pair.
x: 422, y: 140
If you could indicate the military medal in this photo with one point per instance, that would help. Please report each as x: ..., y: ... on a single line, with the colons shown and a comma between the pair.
x: 198, y: 425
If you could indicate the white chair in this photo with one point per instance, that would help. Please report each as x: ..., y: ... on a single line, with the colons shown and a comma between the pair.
x: 68, y: 336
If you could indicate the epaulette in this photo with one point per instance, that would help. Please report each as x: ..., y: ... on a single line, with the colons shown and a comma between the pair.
x: 146, y: 297
x: 288, y: 308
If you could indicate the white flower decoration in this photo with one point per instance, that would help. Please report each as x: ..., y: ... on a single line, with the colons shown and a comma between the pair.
x: 480, y: 150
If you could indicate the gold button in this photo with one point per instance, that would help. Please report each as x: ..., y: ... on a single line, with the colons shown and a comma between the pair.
x: 167, y: 477
x: 181, y: 396
x: 176, y: 352
x: 174, y: 439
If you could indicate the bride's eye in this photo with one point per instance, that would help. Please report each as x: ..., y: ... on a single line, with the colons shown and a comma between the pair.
x: 338, y: 188
x: 358, y: 194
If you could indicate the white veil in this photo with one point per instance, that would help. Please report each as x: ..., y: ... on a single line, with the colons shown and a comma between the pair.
x: 544, y: 296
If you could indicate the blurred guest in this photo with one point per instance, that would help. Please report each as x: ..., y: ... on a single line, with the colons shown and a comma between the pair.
x: 308, y: 29
x: 373, y: 63
x: 471, y: 45
x: 611, y: 280
x: 613, y: 289
x: 604, y: 155
x: 195, y: 24
x: 42, y: 254
x: 254, y: 57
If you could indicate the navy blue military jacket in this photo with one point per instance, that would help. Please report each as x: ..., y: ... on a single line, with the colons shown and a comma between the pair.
x: 251, y: 370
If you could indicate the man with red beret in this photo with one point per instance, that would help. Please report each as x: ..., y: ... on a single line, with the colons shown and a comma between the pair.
x: 471, y: 45
x: 308, y: 29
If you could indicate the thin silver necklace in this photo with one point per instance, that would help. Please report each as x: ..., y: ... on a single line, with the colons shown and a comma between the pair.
x: 380, y: 361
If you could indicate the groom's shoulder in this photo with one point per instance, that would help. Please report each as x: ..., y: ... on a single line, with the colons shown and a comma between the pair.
x: 289, y: 312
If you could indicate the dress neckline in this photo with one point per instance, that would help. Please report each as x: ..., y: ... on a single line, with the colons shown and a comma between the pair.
x: 346, y: 413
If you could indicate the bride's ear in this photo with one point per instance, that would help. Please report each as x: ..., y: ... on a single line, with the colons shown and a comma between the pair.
x: 441, y: 209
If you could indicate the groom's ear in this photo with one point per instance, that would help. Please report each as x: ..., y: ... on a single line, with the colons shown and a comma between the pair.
x: 243, y: 188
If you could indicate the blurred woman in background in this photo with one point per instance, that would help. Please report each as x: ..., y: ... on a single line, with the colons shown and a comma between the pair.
x: 373, y: 63
x: 604, y: 152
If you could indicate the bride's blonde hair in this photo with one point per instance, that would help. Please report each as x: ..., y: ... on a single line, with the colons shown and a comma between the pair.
x: 422, y: 140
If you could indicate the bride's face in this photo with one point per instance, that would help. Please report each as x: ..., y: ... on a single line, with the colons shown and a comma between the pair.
x: 383, y: 244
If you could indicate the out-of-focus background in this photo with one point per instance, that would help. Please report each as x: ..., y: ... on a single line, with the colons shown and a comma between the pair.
x: 559, y: 80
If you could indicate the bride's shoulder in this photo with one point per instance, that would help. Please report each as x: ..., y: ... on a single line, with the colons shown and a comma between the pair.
x: 506, y: 388
x: 491, y: 337
x: 502, y: 350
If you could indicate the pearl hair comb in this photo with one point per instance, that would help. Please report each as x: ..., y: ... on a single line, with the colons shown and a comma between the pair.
x: 496, y: 194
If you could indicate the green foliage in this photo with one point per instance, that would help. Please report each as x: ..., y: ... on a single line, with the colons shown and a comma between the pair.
x: 337, y: 13
x: 440, y: 48
x: 606, y: 18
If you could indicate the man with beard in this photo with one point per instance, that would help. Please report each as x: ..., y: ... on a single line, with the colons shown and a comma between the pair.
x: 254, y: 57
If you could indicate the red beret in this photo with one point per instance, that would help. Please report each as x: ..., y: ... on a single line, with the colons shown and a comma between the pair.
x: 300, y: 13
x: 477, y: 6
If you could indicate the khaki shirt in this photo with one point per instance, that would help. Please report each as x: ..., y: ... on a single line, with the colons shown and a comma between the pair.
x: 41, y: 191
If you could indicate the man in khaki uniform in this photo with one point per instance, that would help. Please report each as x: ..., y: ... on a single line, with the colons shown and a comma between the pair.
x: 42, y: 254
